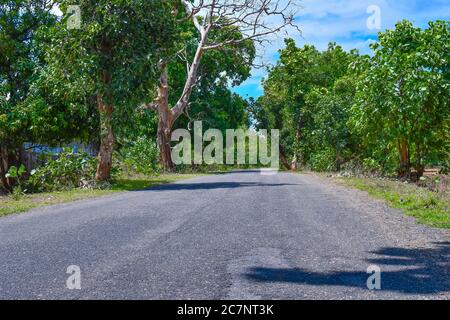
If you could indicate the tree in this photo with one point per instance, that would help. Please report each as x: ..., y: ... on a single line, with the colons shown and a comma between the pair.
x: 110, y: 61
x: 402, y: 98
x: 327, y: 140
x: 219, y: 24
x: 292, y: 100
x: 19, y: 58
x: 211, y: 100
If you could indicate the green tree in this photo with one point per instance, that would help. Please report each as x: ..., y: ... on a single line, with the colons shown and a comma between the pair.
x: 327, y: 134
x: 19, y: 58
x: 294, y: 93
x: 402, y: 99
x: 219, y: 25
x: 110, y: 62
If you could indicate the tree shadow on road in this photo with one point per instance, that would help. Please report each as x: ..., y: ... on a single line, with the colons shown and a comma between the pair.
x: 418, y: 271
x: 214, y: 185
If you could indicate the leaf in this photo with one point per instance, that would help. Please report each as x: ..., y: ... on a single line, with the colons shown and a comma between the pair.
x: 22, y: 170
x: 12, y: 172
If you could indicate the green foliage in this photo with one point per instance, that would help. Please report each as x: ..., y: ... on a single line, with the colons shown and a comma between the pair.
x: 403, y: 96
x: 428, y: 207
x: 68, y: 171
x: 389, y: 112
x: 20, y: 58
x: 17, y: 193
x: 121, y: 40
x: 17, y: 174
x: 323, y: 160
x: 307, y: 96
x: 371, y: 165
x: 140, y: 156
x: 97, y: 76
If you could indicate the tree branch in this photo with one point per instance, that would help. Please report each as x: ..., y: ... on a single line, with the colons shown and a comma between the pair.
x: 255, y: 19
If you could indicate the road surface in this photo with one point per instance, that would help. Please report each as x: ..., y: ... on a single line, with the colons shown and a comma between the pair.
x: 241, y: 235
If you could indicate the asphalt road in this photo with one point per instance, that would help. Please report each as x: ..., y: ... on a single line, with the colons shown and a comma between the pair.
x: 232, y: 236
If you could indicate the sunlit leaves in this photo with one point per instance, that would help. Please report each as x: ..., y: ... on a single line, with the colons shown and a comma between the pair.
x: 403, y: 93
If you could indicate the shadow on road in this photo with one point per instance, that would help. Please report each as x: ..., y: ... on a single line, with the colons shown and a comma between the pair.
x: 422, y: 271
x: 215, y: 185
x: 244, y: 171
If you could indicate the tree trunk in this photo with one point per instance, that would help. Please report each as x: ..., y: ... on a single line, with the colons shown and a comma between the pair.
x: 419, y: 166
x: 404, y: 159
x: 165, y: 120
x: 166, y: 115
x: 164, y: 136
x: 297, y: 154
x: 9, y: 156
x: 294, y: 162
x: 284, y: 159
x: 106, y: 141
x: 3, y: 167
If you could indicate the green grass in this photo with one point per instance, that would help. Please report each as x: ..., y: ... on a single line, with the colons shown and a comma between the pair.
x: 8, y: 205
x: 143, y: 182
x: 427, y: 207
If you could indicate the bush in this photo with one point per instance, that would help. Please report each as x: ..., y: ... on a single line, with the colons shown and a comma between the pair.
x: 70, y: 170
x: 140, y: 156
x: 324, y: 160
x: 371, y: 166
x: 17, y: 174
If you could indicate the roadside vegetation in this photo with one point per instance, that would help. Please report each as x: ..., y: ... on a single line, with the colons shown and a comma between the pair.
x: 387, y: 113
x: 379, y: 121
x: 428, y: 202
x: 16, y: 203
x: 121, y: 83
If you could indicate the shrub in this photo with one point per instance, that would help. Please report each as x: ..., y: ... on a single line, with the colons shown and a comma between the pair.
x: 70, y: 170
x: 17, y: 174
x: 324, y: 160
x: 371, y: 165
x: 140, y: 156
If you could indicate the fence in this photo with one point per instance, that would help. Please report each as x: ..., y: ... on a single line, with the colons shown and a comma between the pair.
x: 36, y: 154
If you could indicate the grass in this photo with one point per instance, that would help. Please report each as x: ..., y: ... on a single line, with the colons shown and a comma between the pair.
x: 140, y: 182
x: 428, y: 207
x: 9, y: 205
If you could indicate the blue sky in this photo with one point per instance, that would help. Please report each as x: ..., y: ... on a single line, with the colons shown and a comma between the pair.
x: 345, y: 22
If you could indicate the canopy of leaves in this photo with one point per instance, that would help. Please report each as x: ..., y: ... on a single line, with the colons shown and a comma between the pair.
x: 294, y: 99
x: 19, y: 58
x: 114, y: 54
x: 211, y: 99
x: 403, y: 93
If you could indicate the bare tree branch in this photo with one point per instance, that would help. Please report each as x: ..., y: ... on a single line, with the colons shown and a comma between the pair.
x: 255, y: 19
x: 244, y: 20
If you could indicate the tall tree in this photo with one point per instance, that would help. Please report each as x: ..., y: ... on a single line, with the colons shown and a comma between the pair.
x: 219, y: 25
x: 299, y: 72
x: 403, y: 96
x: 327, y: 141
x: 19, y: 58
x: 112, y: 58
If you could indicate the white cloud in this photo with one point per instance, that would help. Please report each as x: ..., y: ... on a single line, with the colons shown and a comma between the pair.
x: 345, y: 22
x: 56, y: 11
